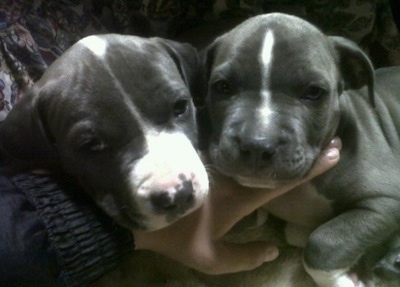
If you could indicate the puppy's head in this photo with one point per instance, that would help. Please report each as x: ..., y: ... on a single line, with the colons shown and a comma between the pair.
x: 274, y: 84
x: 116, y: 112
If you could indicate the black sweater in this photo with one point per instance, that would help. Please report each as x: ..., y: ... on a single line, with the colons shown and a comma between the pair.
x: 52, y: 234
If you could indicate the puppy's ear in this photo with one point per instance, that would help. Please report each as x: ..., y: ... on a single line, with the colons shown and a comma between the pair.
x: 355, y: 66
x: 24, y: 135
x: 208, y: 57
x: 186, y: 59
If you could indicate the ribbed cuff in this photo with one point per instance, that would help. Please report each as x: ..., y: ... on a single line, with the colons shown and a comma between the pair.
x: 88, y: 243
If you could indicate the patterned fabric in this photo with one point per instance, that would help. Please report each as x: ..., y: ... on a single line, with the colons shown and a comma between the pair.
x: 34, y: 33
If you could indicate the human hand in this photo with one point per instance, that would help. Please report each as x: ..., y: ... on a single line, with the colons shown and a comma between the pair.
x: 197, y: 239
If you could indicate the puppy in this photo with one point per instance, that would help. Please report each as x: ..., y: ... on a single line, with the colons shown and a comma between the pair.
x: 116, y: 113
x: 278, y: 91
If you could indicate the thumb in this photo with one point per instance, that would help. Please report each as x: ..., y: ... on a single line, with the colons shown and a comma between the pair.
x: 233, y: 257
x: 328, y: 158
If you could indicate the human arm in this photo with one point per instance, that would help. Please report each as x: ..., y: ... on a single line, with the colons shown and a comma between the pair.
x: 197, y: 239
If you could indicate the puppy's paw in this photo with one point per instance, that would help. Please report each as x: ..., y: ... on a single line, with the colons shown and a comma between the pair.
x: 357, y: 282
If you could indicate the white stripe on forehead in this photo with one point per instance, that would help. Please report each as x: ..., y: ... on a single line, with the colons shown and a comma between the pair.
x: 98, y: 46
x: 265, y: 60
x: 266, y: 50
x: 95, y: 44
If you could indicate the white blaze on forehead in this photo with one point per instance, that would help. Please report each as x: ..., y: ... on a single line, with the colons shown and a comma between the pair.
x: 265, y: 59
x: 98, y: 46
x: 95, y: 44
x: 266, y: 51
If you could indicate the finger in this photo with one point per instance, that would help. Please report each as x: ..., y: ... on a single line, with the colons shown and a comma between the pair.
x: 328, y: 158
x: 231, y: 257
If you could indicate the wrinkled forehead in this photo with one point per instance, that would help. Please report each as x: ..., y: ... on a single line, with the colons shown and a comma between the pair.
x: 139, y: 68
x: 125, y: 74
x: 273, y: 41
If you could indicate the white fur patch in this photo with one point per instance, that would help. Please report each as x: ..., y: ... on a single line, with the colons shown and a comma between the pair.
x: 334, y: 278
x: 95, y: 44
x: 170, y: 156
x: 265, y: 58
x: 98, y: 46
x: 266, y: 51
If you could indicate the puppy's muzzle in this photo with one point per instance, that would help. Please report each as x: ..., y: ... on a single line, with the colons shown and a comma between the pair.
x: 266, y: 159
x: 179, y: 202
x: 259, y: 151
x: 170, y: 181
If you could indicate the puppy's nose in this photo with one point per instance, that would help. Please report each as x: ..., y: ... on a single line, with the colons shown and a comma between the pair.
x: 258, y: 150
x: 174, y: 202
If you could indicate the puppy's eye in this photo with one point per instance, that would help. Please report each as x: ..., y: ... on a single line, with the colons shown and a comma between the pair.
x: 314, y: 93
x: 92, y: 144
x: 222, y: 87
x: 180, y: 107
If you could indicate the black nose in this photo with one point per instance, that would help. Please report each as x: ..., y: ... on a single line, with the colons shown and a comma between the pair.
x: 174, y: 202
x: 258, y: 151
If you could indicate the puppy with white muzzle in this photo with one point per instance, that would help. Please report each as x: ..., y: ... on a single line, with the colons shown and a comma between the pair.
x: 278, y: 91
x: 116, y: 113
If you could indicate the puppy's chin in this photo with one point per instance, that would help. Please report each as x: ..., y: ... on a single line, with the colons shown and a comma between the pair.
x: 258, y: 182
x: 264, y: 182
x: 155, y: 222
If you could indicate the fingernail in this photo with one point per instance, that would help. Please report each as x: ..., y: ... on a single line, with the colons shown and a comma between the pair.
x: 332, y: 153
x: 336, y: 143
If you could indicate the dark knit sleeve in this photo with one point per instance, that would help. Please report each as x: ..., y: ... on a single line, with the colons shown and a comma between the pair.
x: 85, y: 241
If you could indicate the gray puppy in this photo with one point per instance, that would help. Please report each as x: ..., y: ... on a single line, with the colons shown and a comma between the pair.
x: 116, y: 113
x: 278, y: 91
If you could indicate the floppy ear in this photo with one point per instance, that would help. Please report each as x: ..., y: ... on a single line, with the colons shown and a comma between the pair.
x: 205, y: 125
x: 355, y: 66
x: 186, y: 59
x: 23, y: 134
x: 208, y: 56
